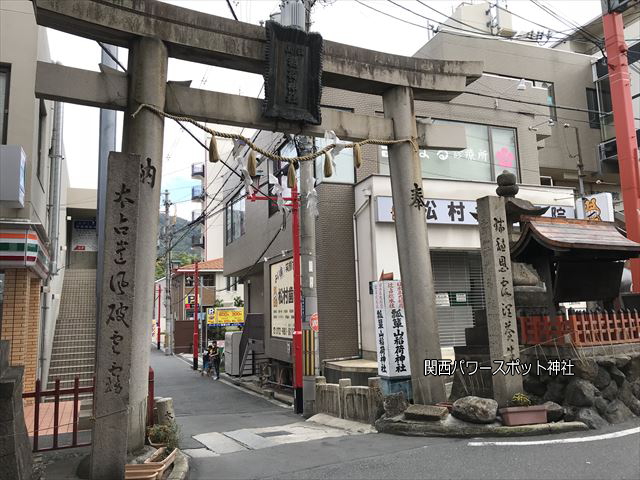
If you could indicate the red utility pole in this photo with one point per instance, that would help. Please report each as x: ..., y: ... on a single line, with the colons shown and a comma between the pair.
x: 297, y: 298
x: 158, y: 320
x: 196, y: 325
x: 626, y: 141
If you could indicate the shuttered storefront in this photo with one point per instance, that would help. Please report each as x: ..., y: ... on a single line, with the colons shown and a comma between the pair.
x: 459, y: 293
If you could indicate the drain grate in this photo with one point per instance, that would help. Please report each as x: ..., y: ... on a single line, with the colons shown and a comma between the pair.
x: 274, y: 434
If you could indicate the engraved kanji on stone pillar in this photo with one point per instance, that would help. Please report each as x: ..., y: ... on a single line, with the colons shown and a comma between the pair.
x: 113, y: 347
x: 499, y: 296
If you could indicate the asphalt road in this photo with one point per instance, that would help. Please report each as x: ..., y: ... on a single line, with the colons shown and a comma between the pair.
x: 204, y: 406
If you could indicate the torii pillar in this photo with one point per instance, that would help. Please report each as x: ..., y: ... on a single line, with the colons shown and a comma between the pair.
x: 413, y: 248
x: 143, y: 135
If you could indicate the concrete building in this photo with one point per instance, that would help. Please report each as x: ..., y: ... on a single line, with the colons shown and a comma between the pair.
x: 31, y: 297
x: 513, y: 121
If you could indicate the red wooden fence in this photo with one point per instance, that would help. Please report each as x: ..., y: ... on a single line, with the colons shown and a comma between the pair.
x: 56, y: 393
x: 39, y: 395
x: 583, y: 328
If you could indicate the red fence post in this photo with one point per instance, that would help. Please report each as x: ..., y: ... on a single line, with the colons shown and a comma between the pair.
x: 575, y: 338
x: 76, y: 385
x: 36, y: 416
x: 151, y: 398
x: 56, y: 411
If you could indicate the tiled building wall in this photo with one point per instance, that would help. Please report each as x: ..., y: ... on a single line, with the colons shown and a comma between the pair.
x: 20, y: 321
x: 335, y: 260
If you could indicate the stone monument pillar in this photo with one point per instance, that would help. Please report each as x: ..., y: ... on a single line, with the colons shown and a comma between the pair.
x: 118, y: 312
x: 499, y: 297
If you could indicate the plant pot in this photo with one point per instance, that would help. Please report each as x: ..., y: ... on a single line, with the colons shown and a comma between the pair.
x: 513, y: 416
x: 155, y: 445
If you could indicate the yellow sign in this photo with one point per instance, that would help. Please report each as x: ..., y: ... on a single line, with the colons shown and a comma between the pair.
x: 225, y: 317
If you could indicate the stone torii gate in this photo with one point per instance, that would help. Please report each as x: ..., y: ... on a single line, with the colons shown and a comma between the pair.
x: 154, y: 31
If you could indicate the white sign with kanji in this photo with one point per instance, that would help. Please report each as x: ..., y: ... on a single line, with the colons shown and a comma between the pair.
x: 391, y: 332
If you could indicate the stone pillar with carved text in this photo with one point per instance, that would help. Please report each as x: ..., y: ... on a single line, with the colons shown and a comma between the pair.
x: 143, y: 135
x: 118, y: 313
x: 413, y: 247
x: 499, y: 297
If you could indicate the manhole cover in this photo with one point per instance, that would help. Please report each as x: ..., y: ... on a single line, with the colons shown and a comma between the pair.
x: 274, y: 434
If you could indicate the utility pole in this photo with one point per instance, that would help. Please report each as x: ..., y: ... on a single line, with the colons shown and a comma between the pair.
x: 196, y: 322
x: 167, y: 237
x: 308, y: 304
x: 626, y: 141
x: 579, y: 164
x: 158, y: 319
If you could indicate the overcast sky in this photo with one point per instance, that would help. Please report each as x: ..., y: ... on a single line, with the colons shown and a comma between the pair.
x: 344, y: 21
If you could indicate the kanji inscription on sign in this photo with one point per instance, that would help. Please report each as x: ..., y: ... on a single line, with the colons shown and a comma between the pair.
x: 293, y: 80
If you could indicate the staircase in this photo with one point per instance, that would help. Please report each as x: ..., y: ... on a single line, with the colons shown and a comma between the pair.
x: 74, y: 341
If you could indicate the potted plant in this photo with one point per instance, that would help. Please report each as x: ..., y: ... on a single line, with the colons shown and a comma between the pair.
x: 521, y: 412
x: 164, y: 435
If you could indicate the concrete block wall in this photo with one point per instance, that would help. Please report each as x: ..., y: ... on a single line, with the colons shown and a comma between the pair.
x: 341, y: 400
x: 20, y: 321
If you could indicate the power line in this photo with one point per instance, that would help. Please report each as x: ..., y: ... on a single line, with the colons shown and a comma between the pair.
x: 235, y: 17
x: 446, y: 16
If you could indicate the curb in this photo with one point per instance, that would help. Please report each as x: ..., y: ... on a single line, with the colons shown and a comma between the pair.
x: 350, y: 426
x: 456, y: 428
x: 180, y: 469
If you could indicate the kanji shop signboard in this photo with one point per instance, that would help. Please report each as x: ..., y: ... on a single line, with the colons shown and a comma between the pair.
x: 391, y: 332
x: 452, y: 212
x: 293, y: 80
x: 282, y: 303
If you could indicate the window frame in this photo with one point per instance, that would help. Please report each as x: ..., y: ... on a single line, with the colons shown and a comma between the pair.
x: 229, y: 217
x: 4, y: 132
x: 592, y: 104
x: 492, y: 162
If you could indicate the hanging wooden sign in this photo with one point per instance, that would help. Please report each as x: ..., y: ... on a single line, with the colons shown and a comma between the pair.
x: 293, y: 80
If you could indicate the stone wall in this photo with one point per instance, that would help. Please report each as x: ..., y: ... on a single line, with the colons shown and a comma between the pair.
x: 341, y: 400
x: 602, y: 389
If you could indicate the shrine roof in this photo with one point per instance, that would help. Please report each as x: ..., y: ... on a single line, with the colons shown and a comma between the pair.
x: 563, y: 235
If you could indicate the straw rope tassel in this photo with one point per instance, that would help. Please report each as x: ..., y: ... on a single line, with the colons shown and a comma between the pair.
x: 291, y: 176
x: 328, y: 164
x: 214, y: 155
x: 357, y: 155
x: 252, y: 164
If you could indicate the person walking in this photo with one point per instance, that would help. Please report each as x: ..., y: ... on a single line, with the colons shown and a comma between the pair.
x: 206, y: 362
x: 214, y: 359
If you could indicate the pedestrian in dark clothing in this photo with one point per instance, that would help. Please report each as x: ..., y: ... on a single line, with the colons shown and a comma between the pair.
x: 214, y: 360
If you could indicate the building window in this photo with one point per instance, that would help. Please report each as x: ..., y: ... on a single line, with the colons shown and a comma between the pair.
x: 343, y: 171
x: 235, y: 217
x: 592, y: 104
x: 603, y: 92
x: 4, y: 102
x: 490, y: 151
x: 209, y: 280
x: 551, y: 97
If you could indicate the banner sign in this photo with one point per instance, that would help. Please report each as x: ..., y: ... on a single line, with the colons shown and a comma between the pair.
x: 225, y: 317
x: 282, y: 303
x: 391, y: 332
x: 84, y: 236
x: 453, y: 212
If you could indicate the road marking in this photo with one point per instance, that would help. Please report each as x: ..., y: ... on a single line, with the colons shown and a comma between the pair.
x: 593, y: 438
